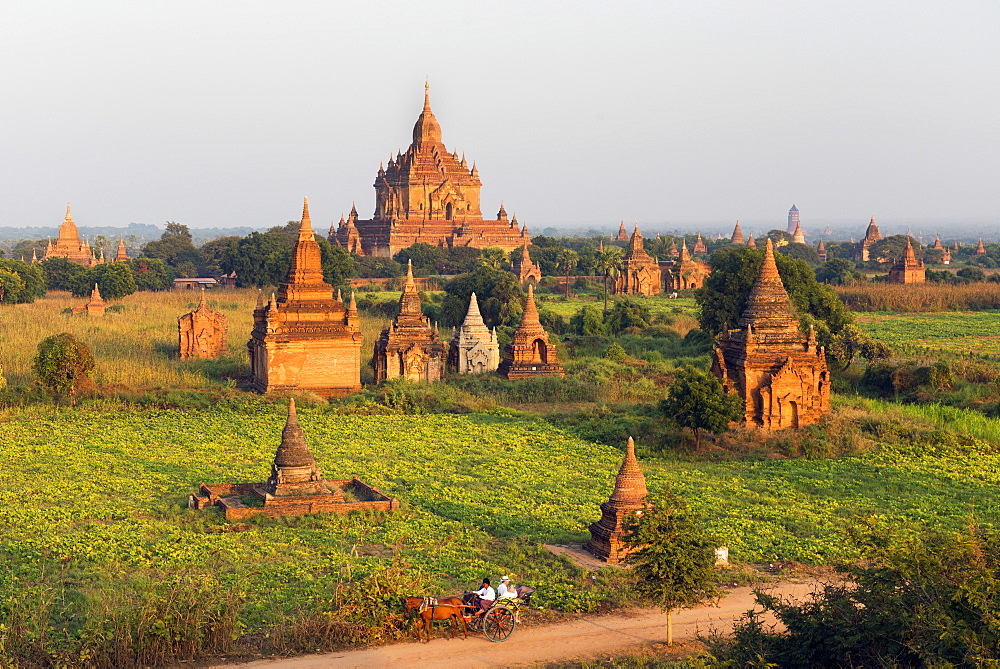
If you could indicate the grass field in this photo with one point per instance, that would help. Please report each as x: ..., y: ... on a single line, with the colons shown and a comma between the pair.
x: 969, y: 332
x: 659, y: 304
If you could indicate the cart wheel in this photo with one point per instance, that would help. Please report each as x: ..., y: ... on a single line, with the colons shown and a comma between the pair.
x: 475, y: 623
x: 499, y: 624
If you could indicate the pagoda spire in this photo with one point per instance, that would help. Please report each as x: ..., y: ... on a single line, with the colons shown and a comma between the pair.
x: 473, y: 316
x: 530, y: 315
x: 409, y: 301
x: 305, y: 277
x: 630, y: 484
x: 768, y: 305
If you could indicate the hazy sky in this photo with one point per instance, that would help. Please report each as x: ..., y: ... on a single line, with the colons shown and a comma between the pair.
x: 214, y: 113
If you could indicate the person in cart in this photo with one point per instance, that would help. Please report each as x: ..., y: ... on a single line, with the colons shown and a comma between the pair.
x: 485, y: 597
x: 505, y: 590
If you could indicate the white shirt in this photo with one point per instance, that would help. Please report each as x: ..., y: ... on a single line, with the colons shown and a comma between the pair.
x: 505, y: 590
x: 487, y: 593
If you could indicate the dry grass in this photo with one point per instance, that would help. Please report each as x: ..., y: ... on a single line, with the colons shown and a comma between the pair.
x: 906, y: 298
x: 136, y: 348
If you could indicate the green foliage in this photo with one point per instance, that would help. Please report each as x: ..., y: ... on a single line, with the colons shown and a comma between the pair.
x: 589, y: 322
x: 627, y: 313
x: 176, y: 249
x: 494, y: 258
x: 151, y: 274
x: 839, y: 272
x: 852, y: 341
x: 918, y: 600
x: 893, y: 248
x: 61, y: 274
x: 674, y: 559
x: 804, y: 252
x: 371, y: 267
x: 20, y: 282
x: 499, y: 295
x: 425, y: 257
x: 63, y: 365
x: 115, y: 280
x: 264, y: 259
x: 615, y: 352
x: 734, y: 269
x: 696, y: 400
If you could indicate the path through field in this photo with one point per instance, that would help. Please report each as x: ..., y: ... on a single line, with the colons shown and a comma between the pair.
x: 584, y: 638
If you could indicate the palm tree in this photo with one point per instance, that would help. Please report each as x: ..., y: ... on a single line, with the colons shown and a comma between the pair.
x: 608, y: 261
x: 567, y: 259
x: 494, y: 257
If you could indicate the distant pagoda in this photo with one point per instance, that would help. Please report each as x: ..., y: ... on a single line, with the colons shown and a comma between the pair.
x: 69, y: 246
x: 409, y: 347
x: 640, y: 274
x: 529, y: 353
x: 737, y: 237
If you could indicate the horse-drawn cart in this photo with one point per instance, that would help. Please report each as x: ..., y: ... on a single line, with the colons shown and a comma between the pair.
x: 496, y: 623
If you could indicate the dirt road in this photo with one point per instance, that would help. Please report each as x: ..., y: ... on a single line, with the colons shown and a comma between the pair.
x: 583, y: 638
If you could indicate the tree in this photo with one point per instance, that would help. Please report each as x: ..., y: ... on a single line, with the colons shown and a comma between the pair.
x: 116, y: 280
x: 839, y: 272
x: 914, y: 599
x: 494, y: 257
x: 852, y: 341
x: 426, y: 258
x: 63, y: 365
x: 11, y: 285
x: 971, y: 274
x: 609, y: 259
x: 61, y: 274
x: 30, y: 283
x: 212, y: 252
x: 734, y: 269
x: 151, y: 274
x: 801, y: 251
x: 499, y: 295
x: 567, y: 261
x: 175, y: 247
x: 259, y: 259
x: 627, y: 312
x: 696, y: 400
x: 674, y: 559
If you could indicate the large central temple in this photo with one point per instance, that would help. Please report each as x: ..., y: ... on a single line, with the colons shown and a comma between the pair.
x: 426, y: 195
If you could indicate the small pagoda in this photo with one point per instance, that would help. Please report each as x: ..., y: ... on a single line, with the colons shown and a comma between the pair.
x: 640, y: 274
x: 908, y: 269
x: 295, y: 487
x: 689, y: 274
x: 737, y: 237
x: 529, y: 353
x: 409, y: 347
x: 474, y: 348
x: 202, y: 332
x: 524, y: 269
x: 305, y: 338
x: 95, y: 306
x: 629, y: 498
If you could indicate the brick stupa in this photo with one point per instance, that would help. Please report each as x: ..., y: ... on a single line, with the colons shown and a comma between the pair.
x: 202, y: 333
x: 524, y: 269
x: 306, y: 339
x: 778, y: 372
x: 737, y: 237
x: 69, y: 246
x: 688, y: 274
x: 629, y: 498
x: 409, y: 347
x: 529, y: 353
x: 295, y: 487
x: 640, y: 274
x: 908, y: 269
x: 95, y: 306
x: 427, y: 195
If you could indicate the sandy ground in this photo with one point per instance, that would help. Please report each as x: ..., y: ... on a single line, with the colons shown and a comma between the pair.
x: 629, y: 632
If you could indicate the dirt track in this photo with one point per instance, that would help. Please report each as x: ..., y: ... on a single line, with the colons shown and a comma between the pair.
x: 580, y: 639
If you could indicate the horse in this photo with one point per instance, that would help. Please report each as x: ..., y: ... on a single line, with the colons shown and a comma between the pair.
x: 446, y: 608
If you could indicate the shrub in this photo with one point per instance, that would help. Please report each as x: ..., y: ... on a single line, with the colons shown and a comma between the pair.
x: 63, y: 365
x: 615, y: 352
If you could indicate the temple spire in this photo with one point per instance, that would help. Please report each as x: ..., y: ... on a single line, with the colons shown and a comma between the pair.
x: 768, y: 305
x: 409, y: 301
x: 305, y: 228
x: 473, y: 316
x: 630, y: 484
x: 530, y: 316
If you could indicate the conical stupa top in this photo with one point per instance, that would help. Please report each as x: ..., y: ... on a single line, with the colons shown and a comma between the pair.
x: 409, y: 301
x: 909, y: 257
x: 768, y: 305
x: 427, y: 128
x: 203, y: 304
x: 95, y: 295
x: 630, y: 484
x: 751, y: 242
x: 530, y: 315
x: 473, y: 317
x: 979, y: 247
x: 305, y: 228
x: 635, y: 241
x: 737, y: 237
x: 821, y: 247
x: 122, y: 254
x: 293, y: 452
x: 685, y: 254
x: 68, y: 228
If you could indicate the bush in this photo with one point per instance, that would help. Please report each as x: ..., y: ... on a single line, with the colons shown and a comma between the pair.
x: 63, y: 365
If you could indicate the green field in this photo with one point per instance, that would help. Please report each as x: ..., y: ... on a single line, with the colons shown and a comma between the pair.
x: 107, y: 491
x: 975, y: 332
x: 658, y: 305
